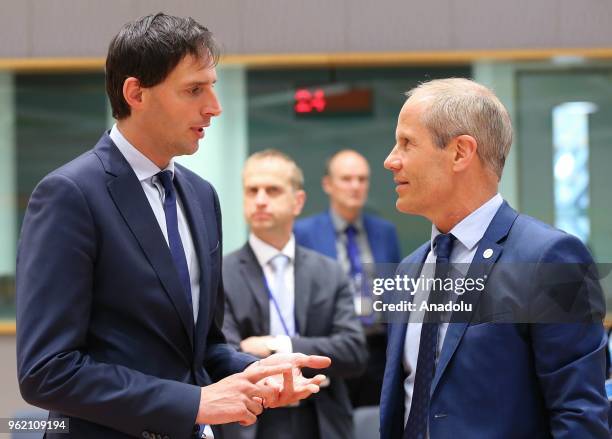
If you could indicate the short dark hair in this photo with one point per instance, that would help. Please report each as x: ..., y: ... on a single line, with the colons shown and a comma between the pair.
x: 149, y: 48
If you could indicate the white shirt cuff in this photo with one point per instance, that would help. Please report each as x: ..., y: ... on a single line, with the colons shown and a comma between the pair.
x: 283, y: 344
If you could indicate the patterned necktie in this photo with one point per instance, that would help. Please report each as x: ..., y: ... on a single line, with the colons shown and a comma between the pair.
x: 174, y: 238
x: 416, y: 427
x: 283, y: 303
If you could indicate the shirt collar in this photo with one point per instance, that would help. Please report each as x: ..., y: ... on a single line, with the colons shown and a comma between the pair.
x: 470, y: 230
x: 143, y: 167
x: 264, y: 252
x: 340, y: 224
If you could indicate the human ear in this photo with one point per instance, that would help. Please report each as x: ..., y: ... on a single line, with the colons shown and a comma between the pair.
x: 132, y: 92
x: 465, y: 151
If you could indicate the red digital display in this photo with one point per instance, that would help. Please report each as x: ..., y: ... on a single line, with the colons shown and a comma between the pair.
x: 307, y: 101
x: 332, y: 100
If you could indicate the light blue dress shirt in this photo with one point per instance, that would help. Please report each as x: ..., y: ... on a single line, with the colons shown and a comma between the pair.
x: 468, y: 232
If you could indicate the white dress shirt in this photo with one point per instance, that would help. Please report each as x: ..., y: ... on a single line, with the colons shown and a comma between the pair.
x: 468, y: 234
x: 264, y: 253
x: 146, y: 172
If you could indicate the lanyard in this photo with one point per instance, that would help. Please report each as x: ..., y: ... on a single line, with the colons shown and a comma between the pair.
x: 277, y: 308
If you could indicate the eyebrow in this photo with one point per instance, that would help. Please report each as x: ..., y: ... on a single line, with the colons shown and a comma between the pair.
x: 194, y: 83
x: 268, y: 186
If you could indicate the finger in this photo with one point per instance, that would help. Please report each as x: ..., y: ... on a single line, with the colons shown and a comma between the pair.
x: 273, y: 382
x: 312, y: 361
x: 306, y: 386
x: 312, y: 388
x: 318, y: 379
x: 296, y: 396
x: 254, y: 405
x: 305, y: 392
x: 257, y: 373
x: 265, y: 392
x: 248, y: 419
x: 288, y: 383
x: 261, y: 402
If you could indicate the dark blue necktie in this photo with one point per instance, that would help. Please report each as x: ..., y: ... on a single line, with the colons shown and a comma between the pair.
x: 416, y: 427
x: 352, y: 250
x: 174, y: 238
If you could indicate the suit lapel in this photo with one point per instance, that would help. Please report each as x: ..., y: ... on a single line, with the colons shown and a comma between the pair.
x: 480, y: 268
x: 195, y: 221
x: 411, y: 267
x: 303, y: 290
x: 392, y: 395
x: 126, y: 191
x: 253, y: 277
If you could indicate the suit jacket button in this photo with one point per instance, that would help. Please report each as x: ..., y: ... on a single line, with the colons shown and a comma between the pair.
x: 146, y: 435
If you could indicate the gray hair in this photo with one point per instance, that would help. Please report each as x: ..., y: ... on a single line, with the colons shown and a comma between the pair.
x: 459, y: 106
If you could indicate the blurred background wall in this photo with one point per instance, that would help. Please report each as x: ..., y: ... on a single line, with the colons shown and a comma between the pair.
x: 83, y: 28
x: 550, y: 61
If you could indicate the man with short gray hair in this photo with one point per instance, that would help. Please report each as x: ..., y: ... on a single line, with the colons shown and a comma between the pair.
x: 457, y: 106
x: 357, y: 240
x: 485, y: 374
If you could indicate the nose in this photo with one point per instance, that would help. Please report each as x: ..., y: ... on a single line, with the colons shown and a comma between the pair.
x: 261, y: 197
x: 392, y: 162
x: 356, y: 183
x: 212, y: 106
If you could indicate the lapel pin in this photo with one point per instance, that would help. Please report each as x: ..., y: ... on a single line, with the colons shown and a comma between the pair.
x: 487, y: 253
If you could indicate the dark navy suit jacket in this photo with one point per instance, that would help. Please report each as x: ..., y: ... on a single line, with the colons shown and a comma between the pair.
x: 317, y: 233
x: 509, y: 380
x: 105, y: 332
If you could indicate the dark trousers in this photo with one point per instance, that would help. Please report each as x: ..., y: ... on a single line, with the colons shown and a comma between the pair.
x: 289, y: 423
x: 365, y: 389
x: 282, y: 423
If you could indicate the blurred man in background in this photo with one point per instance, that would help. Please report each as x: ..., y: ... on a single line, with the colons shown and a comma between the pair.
x: 357, y: 240
x: 284, y: 298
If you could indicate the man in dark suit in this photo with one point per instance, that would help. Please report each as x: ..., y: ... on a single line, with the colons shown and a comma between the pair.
x: 119, y: 289
x: 357, y: 240
x: 527, y: 360
x: 284, y: 298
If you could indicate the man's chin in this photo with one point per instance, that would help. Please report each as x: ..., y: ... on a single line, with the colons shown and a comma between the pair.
x: 187, y: 150
x: 261, y: 225
x: 354, y: 205
x: 404, y: 207
x: 193, y: 148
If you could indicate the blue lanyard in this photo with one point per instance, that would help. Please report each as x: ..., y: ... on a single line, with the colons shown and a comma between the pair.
x: 277, y: 308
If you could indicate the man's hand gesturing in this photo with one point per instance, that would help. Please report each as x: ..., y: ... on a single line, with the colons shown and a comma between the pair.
x: 291, y: 386
x: 239, y: 397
